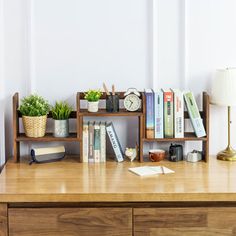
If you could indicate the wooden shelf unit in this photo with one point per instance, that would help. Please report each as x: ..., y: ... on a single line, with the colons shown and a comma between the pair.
x: 21, y: 137
x: 187, y: 136
x: 80, y: 113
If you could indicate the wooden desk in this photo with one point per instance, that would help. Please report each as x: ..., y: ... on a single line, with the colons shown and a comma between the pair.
x: 70, y: 198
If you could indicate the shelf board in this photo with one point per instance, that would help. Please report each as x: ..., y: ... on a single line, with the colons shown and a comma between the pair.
x: 103, y: 112
x: 47, y: 138
x: 72, y: 115
x: 187, y: 137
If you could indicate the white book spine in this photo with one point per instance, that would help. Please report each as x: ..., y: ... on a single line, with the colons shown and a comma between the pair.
x: 159, y: 117
x: 115, y: 143
x: 103, y: 142
x: 85, y: 143
x: 178, y: 113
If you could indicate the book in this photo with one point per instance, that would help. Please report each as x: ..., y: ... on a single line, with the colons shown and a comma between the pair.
x: 97, y: 145
x: 91, y: 142
x: 194, y: 114
x: 149, y: 113
x: 114, y: 142
x: 158, y: 114
x: 85, y: 143
x: 103, y: 141
x: 150, y: 170
x: 168, y: 114
x: 178, y: 113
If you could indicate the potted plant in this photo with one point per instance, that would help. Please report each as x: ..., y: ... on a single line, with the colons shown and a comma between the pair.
x: 34, y: 110
x: 61, y: 113
x: 93, y: 96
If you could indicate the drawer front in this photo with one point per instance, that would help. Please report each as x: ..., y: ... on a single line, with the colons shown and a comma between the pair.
x: 184, y: 221
x: 70, y: 221
x: 3, y: 220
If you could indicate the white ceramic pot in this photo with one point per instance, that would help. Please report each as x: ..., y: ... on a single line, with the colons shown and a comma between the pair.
x: 93, y: 106
x: 61, y: 128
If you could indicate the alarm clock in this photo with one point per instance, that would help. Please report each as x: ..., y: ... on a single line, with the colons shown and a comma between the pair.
x: 132, y: 101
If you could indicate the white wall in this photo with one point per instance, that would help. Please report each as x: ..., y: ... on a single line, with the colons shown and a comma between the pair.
x: 59, y: 47
x: 2, y: 87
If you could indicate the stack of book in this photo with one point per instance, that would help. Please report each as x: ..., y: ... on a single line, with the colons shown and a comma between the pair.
x: 94, y: 142
x: 165, y: 113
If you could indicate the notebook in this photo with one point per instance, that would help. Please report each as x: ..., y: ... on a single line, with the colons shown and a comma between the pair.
x: 150, y: 170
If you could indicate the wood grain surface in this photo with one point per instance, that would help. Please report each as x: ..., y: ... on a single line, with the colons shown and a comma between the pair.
x: 3, y: 220
x: 70, y: 181
x: 184, y: 221
x: 70, y: 221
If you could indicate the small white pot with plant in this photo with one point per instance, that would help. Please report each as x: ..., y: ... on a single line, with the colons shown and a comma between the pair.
x: 61, y: 114
x: 93, y: 96
x: 34, y: 110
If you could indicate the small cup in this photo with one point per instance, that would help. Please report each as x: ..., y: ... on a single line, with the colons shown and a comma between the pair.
x: 112, y: 103
x: 109, y: 103
x: 115, y: 102
x: 157, y: 154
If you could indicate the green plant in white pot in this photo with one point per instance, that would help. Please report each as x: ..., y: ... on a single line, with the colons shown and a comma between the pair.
x: 93, y: 96
x: 61, y: 114
x: 34, y: 110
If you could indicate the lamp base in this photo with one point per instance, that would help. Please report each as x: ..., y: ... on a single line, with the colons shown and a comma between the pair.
x: 229, y: 154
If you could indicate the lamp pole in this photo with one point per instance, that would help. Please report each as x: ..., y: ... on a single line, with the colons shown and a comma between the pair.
x: 229, y: 154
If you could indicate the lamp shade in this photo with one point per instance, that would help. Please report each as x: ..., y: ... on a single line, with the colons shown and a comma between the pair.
x: 224, y: 88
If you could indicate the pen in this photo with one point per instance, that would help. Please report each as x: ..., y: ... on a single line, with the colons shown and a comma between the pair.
x: 113, y: 89
x: 106, y: 90
x: 162, y: 169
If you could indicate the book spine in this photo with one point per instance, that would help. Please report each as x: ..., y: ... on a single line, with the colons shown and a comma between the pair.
x: 179, y: 114
x: 168, y: 115
x: 97, y: 146
x: 194, y: 115
x: 114, y: 142
x: 149, y: 115
x: 91, y: 143
x: 103, y: 142
x: 159, y: 128
x: 85, y: 143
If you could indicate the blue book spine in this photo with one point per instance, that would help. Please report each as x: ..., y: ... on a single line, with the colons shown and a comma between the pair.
x: 149, y: 113
x: 159, y: 116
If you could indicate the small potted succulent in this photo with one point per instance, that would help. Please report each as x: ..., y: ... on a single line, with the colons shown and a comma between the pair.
x: 34, y: 110
x: 60, y: 114
x: 93, y: 96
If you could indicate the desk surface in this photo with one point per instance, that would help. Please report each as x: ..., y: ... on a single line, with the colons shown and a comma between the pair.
x: 70, y: 181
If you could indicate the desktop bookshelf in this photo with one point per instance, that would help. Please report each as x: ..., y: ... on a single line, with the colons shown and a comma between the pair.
x: 80, y: 113
x: 188, y: 136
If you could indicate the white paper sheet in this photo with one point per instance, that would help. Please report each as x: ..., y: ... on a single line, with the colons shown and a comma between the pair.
x: 150, y: 170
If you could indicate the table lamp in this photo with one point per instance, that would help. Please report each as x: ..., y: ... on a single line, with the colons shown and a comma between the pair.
x: 224, y: 94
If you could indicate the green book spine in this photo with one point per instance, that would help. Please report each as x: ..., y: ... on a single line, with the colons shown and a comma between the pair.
x: 194, y: 114
x: 97, y: 145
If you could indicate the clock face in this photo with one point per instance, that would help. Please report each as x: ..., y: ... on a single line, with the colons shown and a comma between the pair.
x: 132, y: 102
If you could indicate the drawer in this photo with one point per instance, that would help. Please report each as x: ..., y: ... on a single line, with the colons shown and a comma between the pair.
x: 70, y: 221
x: 194, y: 221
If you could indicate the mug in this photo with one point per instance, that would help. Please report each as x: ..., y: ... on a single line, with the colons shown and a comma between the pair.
x: 157, y: 154
x: 176, y: 152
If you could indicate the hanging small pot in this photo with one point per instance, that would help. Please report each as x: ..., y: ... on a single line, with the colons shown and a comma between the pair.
x: 93, y: 106
x: 61, y: 128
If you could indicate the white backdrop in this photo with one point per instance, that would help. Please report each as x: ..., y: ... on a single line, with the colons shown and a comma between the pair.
x: 59, y: 47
